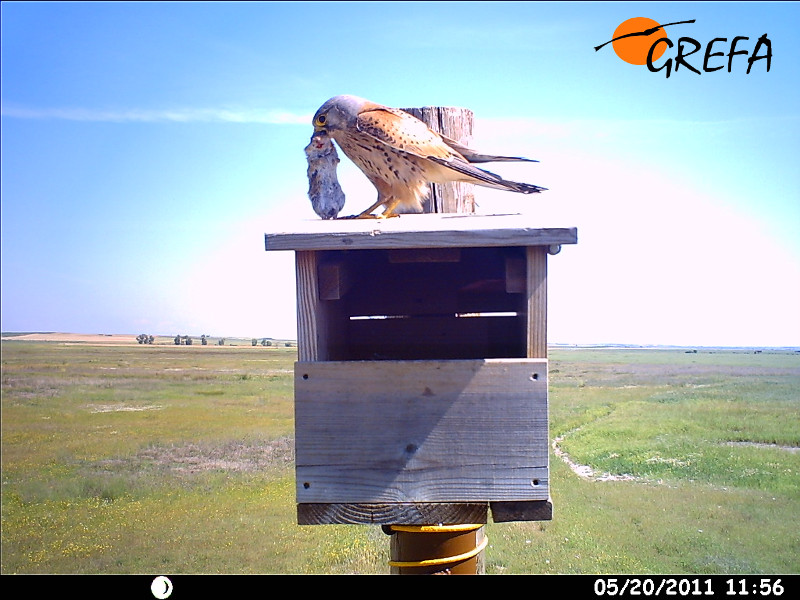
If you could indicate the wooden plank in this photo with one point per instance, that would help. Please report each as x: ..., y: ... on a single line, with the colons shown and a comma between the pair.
x: 418, y: 231
x: 391, y: 514
x: 311, y: 326
x: 535, y: 510
x: 516, y: 275
x: 537, y: 302
x: 423, y: 513
x: 334, y: 280
x: 421, y: 431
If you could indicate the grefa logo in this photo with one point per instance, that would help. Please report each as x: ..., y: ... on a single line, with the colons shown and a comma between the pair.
x: 643, y: 41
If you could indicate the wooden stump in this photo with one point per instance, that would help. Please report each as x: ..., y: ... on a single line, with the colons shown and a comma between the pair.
x: 455, y: 123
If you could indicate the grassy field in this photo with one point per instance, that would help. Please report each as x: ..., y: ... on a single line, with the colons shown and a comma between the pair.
x: 174, y: 459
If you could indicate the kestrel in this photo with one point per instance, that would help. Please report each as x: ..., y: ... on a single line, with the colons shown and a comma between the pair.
x: 324, y: 191
x: 400, y: 155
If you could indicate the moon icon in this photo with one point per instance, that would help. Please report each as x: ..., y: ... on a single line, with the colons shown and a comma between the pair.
x: 161, y: 587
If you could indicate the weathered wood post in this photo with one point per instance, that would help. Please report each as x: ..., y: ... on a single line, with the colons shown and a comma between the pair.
x: 421, y: 380
x: 455, y: 123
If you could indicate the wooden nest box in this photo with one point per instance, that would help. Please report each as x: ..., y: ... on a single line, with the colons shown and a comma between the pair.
x: 421, y: 384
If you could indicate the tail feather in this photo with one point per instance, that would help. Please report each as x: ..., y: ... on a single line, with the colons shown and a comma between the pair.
x: 474, y: 156
x: 513, y: 186
x: 486, y: 178
x: 522, y: 188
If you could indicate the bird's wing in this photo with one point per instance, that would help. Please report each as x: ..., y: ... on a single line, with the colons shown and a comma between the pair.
x: 474, y: 156
x: 403, y: 132
x: 406, y: 133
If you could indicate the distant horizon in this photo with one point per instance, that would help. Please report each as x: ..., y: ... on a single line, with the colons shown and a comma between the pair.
x: 598, y: 345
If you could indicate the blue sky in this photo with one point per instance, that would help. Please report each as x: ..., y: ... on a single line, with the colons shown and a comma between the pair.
x: 147, y: 147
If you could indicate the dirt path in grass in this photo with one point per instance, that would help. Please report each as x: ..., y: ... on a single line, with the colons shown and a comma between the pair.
x: 585, y: 471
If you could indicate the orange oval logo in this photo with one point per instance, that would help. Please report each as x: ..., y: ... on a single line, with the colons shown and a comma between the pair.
x: 634, y: 38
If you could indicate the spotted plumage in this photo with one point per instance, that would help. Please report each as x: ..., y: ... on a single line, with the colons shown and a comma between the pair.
x: 401, y: 155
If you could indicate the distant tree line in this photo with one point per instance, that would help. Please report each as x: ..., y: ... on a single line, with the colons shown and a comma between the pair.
x: 185, y: 340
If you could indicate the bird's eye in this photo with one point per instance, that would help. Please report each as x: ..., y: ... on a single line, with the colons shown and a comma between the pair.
x: 320, y: 120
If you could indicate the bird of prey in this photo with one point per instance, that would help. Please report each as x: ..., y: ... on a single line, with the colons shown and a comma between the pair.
x: 400, y: 155
x: 324, y: 191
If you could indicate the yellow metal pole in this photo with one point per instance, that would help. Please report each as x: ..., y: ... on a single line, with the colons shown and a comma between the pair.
x: 440, y: 550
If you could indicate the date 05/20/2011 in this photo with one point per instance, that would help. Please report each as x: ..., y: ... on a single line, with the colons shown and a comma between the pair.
x: 686, y: 586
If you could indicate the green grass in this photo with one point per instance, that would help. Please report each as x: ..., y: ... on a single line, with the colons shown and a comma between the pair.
x: 728, y: 419
x: 169, y: 459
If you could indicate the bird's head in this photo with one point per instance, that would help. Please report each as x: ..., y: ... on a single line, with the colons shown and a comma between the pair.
x: 340, y: 112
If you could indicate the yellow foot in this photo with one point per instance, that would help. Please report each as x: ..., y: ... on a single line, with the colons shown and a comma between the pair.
x: 369, y: 216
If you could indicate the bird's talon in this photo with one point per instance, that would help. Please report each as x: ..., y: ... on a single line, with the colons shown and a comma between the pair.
x: 361, y: 216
